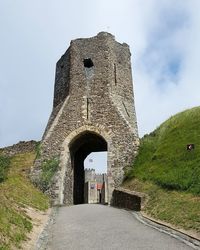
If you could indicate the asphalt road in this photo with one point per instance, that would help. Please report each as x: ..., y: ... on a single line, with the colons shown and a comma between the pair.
x: 102, y: 227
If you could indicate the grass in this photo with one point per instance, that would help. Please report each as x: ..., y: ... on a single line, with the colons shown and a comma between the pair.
x: 168, y: 172
x: 17, y: 193
x: 178, y: 208
x: 163, y: 157
x: 4, y: 166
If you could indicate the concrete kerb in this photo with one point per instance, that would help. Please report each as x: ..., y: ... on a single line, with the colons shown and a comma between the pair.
x: 187, y: 239
x: 159, y: 225
x: 44, y: 236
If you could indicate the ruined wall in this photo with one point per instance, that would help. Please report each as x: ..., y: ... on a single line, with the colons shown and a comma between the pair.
x: 93, y: 92
x: 19, y: 148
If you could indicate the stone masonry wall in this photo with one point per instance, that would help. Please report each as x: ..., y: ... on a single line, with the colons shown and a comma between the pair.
x: 98, y: 99
x: 127, y: 199
x: 19, y: 148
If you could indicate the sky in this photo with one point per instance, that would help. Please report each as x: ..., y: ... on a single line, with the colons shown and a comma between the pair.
x: 163, y: 36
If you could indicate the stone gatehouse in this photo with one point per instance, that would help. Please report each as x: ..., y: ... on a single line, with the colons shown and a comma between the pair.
x: 93, y: 110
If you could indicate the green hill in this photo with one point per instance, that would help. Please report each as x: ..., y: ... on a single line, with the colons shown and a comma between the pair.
x: 170, y: 174
x: 163, y: 156
x: 16, y: 194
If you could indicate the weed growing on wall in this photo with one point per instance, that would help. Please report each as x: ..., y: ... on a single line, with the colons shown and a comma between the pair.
x: 38, y: 149
x: 49, y: 168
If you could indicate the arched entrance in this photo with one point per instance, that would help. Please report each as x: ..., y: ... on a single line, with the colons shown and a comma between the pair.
x: 80, y: 148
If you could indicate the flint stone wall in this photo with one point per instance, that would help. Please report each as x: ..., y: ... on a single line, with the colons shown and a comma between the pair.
x: 19, y: 148
x: 99, y: 100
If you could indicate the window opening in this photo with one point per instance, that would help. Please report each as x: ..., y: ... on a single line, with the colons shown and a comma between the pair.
x: 87, y: 108
x: 88, y: 63
x: 115, y: 73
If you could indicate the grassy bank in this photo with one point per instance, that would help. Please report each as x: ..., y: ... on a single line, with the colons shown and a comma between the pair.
x: 163, y: 157
x: 17, y: 193
x: 168, y: 172
x: 181, y: 209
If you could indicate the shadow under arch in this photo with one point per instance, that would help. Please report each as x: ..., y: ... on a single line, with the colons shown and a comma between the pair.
x: 80, y: 147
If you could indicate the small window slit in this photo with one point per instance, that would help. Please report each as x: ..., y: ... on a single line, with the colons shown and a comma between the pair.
x: 115, y: 74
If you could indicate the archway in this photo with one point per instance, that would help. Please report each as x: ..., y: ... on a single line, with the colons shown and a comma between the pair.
x: 80, y: 148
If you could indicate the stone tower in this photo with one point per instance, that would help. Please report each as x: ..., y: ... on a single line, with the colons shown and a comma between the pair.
x: 93, y: 110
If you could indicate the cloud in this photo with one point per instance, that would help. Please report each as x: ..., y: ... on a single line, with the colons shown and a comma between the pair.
x: 163, y: 36
x: 165, y: 75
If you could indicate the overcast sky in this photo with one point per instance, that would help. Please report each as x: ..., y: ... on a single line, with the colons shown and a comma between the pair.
x: 164, y: 38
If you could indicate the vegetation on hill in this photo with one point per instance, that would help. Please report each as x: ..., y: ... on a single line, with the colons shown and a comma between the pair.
x: 178, y: 208
x: 163, y: 156
x: 17, y: 193
x: 4, y: 166
x: 168, y: 172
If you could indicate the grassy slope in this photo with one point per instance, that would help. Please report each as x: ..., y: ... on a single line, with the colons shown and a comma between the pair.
x: 169, y: 173
x: 178, y: 208
x: 17, y: 193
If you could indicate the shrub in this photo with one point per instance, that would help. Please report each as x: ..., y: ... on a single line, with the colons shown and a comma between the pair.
x: 4, y: 166
x: 49, y: 168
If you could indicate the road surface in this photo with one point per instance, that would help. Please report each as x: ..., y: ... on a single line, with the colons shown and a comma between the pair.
x: 91, y: 226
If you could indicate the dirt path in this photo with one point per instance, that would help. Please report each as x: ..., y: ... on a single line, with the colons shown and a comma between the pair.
x: 39, y: 220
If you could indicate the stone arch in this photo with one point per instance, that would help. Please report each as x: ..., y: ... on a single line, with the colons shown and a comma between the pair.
x: 80, y: 148
x: 65, y: 180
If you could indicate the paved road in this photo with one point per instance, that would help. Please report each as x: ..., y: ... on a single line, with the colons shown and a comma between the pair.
x: 106, y: 228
